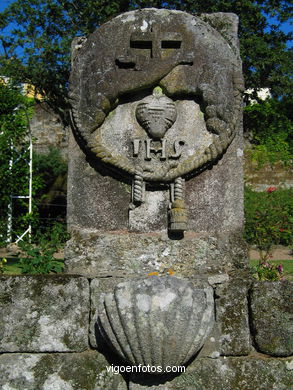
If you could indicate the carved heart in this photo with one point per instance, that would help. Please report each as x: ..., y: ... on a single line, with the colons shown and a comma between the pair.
x: 156, y: 114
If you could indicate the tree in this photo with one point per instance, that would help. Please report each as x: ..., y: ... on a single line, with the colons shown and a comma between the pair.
x: 269, y: 124
x: 15, y: 109
x: 36, y: 37
x: 13, y: 143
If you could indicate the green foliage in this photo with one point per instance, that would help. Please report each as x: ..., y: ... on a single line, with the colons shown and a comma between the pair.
x: 38, y: 258
x: 14, y: 108
x: 268, y: 219
x: 3, y: 268
x: 267, y: 271
x: 57, y: 236
x: 286, y: 266
x: 36, y: 47
x: 47, y: 167
x: 50, y: 164
x: 270, y: 125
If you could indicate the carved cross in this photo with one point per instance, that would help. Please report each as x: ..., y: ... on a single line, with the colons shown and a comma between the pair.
x: 154, y: 44
x: 144, y: 46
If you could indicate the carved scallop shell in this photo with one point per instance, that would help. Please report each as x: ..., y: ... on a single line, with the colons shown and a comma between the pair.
x: 156, y: 114
x: 160, y: 321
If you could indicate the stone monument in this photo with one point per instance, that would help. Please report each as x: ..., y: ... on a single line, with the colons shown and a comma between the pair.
x: 155, y: 177
x: 155, y: 172
x: 156, y: 266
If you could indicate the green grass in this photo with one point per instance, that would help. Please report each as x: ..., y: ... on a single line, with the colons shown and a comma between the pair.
x: 12, y: 266
x: 12, y: 269
x: 287, y: 264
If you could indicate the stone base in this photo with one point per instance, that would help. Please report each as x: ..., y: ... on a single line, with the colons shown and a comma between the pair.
x: 91, y: 253
x: 88, y: 371
x: 62, y: 310
x: 236, y: 373
x: 58, y: 371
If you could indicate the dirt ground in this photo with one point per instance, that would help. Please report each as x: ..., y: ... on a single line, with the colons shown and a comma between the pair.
x: 279, y: 253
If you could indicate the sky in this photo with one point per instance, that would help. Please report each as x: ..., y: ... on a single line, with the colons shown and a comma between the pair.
x: 286, y: 27
x: 4, y: 4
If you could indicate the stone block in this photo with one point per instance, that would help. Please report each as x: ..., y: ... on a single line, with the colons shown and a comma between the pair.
x: 233, y: 318
x: 231, y: 333
x: 92, y: 253
x: 272, y: 317
x: 44, y: 313
x: 58, y: 371
x: 88, y: 371
x: 236, y: 373
x: 48, y: 130
x: 95, y: 199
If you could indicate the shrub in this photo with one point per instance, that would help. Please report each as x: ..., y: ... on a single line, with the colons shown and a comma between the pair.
x: 38, y: 258
x: 270, y: 126
x: 2, y: 265
x: 267, y: 271
x: 268, y: 219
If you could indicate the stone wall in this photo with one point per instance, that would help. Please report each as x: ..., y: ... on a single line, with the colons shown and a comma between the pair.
x: 49, y: 340
x: 48, y: 130
x: 261, y: 178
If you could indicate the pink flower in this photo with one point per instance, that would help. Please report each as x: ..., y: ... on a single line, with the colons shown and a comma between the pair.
x: 280, y: 268
x: 271, y: 189
x: 265, y: 264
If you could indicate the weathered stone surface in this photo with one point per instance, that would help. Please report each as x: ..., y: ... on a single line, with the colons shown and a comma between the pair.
x: 232, y: 318
x: 159, y: 321
x: 100, y: 254
x: 99, y: 286
x: 184, y: 55
x: 95, y: 200
x: 199, y: 69
x: 261, y: 178
x: 236, y: 373
x: 70, y: 371
x: 48, y: 130
x: 44, y: 313
x: 87, y: 371
x: 272, y: 317
x: 215, y: 197
x: 231, y: 333
x: 194, y: 71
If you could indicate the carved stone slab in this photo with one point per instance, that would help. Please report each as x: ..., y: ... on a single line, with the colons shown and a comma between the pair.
x: 156, y: 92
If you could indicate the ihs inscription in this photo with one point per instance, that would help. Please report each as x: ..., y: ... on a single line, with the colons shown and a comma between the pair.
x: 149, y: 149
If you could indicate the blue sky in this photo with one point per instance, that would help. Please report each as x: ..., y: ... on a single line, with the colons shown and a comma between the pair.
x: 4, y: 4
x: 286, y: 27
